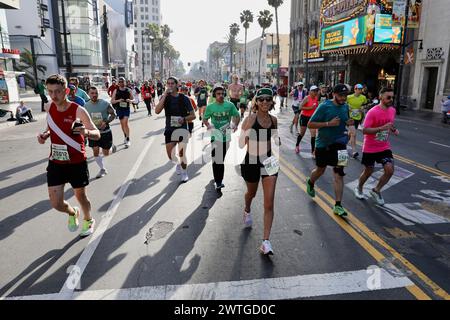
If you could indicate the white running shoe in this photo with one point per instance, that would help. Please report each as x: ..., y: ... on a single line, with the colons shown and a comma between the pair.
x: 247, y: 219
x: 359, y: 195
x: 127, y: 144
x: 102, y: 173
x: 178, y: 169
x: 266, y: 248
x: 184, y: 176
x: 377, y: 197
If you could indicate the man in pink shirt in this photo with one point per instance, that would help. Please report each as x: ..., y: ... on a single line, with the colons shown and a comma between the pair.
x: 378, y: 125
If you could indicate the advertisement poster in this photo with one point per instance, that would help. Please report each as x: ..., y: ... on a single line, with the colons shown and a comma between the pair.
x: 4, y: 96
x: 349, y: 33
x: 398, y: 13
x: 385, y: 32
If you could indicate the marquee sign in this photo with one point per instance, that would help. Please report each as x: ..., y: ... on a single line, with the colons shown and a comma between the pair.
x: 335, y: 11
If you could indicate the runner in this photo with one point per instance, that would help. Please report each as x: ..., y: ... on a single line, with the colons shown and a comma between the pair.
x: 112, y: 88
x: 201, y: 93
x: 185, y: 91
x: 331, y: 119
x: 282, y: 93
x: 102, y: 114
x: 324, y: 95
x: 221, y: 113
x: 308, y: 106
x: 68, y: 125
x: 178, y: 111
x: 136, y: 96
x: 121, y: 100
x: 298, y: 94
x: 71, y: 96
x: 378, y: 125
x: 257, y: 132
x: 147, y: 95
x: 78, y: 91
x: 356, y: 102
x: 235, y: 91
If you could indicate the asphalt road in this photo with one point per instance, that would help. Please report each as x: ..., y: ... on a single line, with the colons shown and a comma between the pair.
x: 158, y: 239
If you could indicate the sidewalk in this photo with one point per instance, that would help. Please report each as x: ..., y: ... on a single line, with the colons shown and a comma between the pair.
x: 428, y: 117
x: 31, y: 100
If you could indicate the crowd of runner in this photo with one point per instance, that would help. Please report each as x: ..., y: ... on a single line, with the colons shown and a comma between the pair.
x: 76, y: 118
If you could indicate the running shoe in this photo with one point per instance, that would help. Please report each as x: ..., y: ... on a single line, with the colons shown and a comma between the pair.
x: 377, y: 197
x: 178, y: 169
x: 114, y: 148
x: 247, y: 219
x: 88, y: 228
x: 309, y: 189
x: 340, y: 211
x: 219, y: 185
x: 358, y: 194
x: 297, y: 149
x: 73, y: 220
x: 184, y: 176
x: 127, y: 144
x: 102, y: 173
x: 355, y: 155
x: 266, y: 248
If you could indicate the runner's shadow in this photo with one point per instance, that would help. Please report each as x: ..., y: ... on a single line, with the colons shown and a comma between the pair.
x: 167, y: 266
x: 8, y: 173
x: 23, y: 185
x: 9, y: 224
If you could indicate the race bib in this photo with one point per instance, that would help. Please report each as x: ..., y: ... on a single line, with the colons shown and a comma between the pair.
x: 60, y: 152
x: 202, y: 96
x: 354, y: 113
x: 243, y: 100
x: 147, y: 95
x: 382, y: 136
x: 97, y: 118
x: 271, y: 165
x: 174, y: 122
x: 224, y: 128
x: 123, y: 104
x: 342, y: 158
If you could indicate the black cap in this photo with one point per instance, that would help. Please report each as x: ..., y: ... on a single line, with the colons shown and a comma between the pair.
x: 341, y: 89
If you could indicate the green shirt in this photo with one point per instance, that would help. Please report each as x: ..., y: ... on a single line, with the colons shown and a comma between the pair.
x: 355, y: 104
x: 220, y: 115
x: 98, y: 111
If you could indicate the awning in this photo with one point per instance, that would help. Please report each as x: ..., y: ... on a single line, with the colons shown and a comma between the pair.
x: 361, y: 49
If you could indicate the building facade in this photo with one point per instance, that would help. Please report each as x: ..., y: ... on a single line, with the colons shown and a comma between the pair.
x: 431, y: 75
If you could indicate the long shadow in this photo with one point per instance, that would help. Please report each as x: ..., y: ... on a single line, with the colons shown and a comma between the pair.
x: 162, y: 268
x: 35, y: 270
x: 131, y: 226
x: 9, y: 224
x: 23, y: 185
x: 8, y: 173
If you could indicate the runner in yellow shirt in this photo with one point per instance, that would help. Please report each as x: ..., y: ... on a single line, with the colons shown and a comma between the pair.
x: 356, y: 103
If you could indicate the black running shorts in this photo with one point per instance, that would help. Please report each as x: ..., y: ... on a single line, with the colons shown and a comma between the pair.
x: 75, y: 174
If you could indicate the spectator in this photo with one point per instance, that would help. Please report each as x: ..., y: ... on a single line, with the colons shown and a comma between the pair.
x: 445, y: 109
x: 42, y: 91
x: 23, y: 111
x: 112, y: 88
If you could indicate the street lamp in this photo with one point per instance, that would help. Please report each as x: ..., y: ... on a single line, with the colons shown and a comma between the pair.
x: 263, y: 37
x: 271, y: 67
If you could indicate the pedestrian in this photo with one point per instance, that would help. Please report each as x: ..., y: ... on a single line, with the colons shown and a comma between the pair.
x: 102, y: 114
x: 331, y: 119
x: 121, y: 99
x: 201, y: 93
x: 68, y: 125
x: 307, y: 107
x: 378, y: 126
x: 42, y: 91
x: 445, y: 109
x: 282, y: 93
x: 147, y: 95
x: 23, y: 111
x: 298, y: 94
x: 178, y: 111
x: 259, y: 131
x: 221, y: 113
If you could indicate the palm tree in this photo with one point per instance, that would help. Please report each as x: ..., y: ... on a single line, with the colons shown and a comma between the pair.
x: 234, y: 30
x: 246, y: 19
x: 153, y: 31
x: 26, y: 65
x: 216, y: 55
x: 265, y: 20
x: 276, y: 4
x: 163, y: 45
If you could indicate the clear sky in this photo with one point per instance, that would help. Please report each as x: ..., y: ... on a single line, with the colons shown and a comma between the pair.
x: 197, y: 23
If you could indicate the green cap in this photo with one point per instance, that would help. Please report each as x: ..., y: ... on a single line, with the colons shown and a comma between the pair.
x: 264, y: 92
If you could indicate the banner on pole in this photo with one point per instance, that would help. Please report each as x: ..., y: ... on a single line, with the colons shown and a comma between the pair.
x: 398, y: 13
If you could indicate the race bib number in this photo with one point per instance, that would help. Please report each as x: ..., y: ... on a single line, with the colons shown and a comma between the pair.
x: 60, y: 152
x: 123, y: 104
x: 271, y: 165
x: 342, y: 158
x: 147, y: 95
x: 97, y: 118
x: 354, y: 113
x: 174, y: 122
x: 224, y: 128
x: 202, y: 96
x: 382, y: 136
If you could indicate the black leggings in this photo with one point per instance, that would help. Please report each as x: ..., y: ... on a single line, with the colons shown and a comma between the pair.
x: 148, y: 104
x: 219, y: 167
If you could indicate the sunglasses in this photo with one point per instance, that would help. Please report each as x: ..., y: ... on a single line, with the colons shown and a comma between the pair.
x: 268, y: 99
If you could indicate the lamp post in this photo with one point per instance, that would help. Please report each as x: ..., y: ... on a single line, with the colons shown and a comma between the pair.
x: 271, y: 67
x: 69, y: 67
x: 263, y: 37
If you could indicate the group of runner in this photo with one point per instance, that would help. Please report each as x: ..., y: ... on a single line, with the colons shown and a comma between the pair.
x: 221, y: 109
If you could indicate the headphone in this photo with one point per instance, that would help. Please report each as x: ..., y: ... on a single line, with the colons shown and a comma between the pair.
x: 215, y: 89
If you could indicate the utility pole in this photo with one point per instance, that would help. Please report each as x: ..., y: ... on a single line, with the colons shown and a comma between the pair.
x: 143, y: 56
x: 271, y: 69
x: 69, y: 67
x: 33, y: 56
x: 398, y: 82
x: 306, y: 27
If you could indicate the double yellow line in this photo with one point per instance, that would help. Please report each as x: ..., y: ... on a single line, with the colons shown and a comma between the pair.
x: 362, y: 234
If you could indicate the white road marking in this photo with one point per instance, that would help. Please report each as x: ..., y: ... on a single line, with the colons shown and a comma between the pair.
x: 412, y: 213
x: 400, y: 174
x: 70, y: 284
x: 439, y: 144
x: 303, y: 286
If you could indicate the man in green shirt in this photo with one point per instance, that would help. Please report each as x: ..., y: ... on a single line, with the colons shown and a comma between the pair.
x: 43, y: 94
x: 356, y: 103
x: 221, y: 114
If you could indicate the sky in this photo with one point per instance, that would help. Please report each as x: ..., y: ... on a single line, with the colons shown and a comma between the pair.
x: 198, y: 23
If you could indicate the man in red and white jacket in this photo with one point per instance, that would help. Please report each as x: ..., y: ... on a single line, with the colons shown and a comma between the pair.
x: 147, y: 95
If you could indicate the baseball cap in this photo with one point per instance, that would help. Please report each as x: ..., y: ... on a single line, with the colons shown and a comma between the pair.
x: 341, y: 89
x: 72, y: 87
x: 218, y: 87
x: 313, y: 88
x: 359, y: 86
x: 264, y: 92
x: 300, y: 84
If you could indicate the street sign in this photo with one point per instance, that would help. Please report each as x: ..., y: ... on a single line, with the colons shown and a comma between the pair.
x: 275, y: 65
x: 46, y: 23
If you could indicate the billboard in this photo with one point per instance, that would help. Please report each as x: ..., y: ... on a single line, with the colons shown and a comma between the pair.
x: 385, y: 32
x: 349, y: 33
